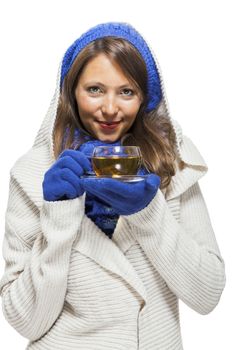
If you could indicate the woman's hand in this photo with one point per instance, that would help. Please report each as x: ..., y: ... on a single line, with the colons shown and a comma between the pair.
x: 62, y: 180
x: 125, y: 198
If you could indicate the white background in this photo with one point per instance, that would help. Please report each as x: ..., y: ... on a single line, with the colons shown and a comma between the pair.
x: 193, y: 43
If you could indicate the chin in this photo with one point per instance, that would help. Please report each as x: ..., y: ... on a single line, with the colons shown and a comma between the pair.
x: 109, y: 139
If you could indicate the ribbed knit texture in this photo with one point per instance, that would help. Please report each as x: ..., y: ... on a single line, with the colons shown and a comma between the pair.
x: 68, y: 286
x: 75, y: 288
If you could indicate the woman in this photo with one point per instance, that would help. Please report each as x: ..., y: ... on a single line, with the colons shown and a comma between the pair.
x: 101, y: 264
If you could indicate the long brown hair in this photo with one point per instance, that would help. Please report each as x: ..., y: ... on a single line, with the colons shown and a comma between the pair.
x: 152, y: 131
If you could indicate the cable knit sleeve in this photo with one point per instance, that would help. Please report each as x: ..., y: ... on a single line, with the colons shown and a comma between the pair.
x: 185, y: 253
x: 36, y: 248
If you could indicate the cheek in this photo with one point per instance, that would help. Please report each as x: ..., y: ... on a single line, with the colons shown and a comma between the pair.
x: 132, y: 110
x: 85, y: 103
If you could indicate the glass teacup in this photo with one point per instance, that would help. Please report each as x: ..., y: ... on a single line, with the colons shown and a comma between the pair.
x: 116, y: 161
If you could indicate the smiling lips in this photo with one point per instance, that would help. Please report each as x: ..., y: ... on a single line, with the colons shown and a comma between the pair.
x: 108, y: 125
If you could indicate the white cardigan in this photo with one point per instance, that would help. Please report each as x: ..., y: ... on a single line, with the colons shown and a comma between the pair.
x: 68, y: 286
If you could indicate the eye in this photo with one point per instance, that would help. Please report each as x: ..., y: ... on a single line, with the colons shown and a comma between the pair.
x: 128, y: 92
x: 93, y: 89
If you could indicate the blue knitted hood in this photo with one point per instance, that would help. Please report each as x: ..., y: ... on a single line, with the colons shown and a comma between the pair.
x: 127, y: 32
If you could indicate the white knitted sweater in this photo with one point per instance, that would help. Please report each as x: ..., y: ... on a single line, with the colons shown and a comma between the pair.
x: 68, y: 286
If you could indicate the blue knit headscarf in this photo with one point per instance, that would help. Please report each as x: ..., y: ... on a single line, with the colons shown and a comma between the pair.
x: 127, y: 32
x: 98, y: 211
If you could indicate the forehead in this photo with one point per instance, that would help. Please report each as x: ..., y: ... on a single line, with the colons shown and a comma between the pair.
x: 103, y: 68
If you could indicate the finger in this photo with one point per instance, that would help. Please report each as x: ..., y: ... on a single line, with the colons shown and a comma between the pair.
x: 79, y: 157
x: 65, y: 190
x: 123, y: 190
x: 68, y: 162
x: 69, y: 176
x: 98, y: 185
x: 110, y: 188
x: 153, y: 181
x: 69, y: 190
x: 94, y: 186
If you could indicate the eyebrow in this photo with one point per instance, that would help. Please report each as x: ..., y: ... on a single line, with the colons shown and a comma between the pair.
x: 101, y: 84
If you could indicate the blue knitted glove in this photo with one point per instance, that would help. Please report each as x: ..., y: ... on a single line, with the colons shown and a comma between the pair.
x: 125, y: 198
x: 62, y: 180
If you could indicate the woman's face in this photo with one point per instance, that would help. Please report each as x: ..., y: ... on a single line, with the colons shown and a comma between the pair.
x: 107, y: 102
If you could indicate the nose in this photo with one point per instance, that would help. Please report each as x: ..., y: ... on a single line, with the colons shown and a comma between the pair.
x: 109, y: 105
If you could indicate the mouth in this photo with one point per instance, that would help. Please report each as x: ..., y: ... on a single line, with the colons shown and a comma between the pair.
x: 108, y: 125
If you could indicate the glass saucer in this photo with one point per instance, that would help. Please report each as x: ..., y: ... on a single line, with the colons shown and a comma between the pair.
x: 123, y: 178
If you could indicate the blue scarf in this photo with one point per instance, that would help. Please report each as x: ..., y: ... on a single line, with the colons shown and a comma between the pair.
x: 98, y: 211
